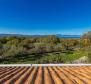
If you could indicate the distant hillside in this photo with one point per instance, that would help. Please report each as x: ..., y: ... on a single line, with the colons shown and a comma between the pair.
x: 18, y: 35
x: 58, y: 35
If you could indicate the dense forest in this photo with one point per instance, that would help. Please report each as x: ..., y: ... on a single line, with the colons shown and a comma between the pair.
x: 45, y: 49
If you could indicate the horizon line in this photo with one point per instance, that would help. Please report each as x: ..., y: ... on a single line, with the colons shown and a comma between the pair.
x: 38, y: 34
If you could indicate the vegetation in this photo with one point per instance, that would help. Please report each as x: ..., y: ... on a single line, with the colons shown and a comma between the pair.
x: 44, y: 49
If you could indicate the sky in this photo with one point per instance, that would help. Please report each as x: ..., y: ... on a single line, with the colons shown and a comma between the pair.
x: 45, y: 16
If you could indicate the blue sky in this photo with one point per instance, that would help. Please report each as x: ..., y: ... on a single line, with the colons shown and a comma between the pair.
x: 45, y: 16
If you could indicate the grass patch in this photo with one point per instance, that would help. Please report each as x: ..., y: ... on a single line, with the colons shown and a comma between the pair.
x: 76, y: 55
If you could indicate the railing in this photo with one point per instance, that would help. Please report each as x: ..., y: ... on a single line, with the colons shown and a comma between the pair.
x: 12, y: 65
